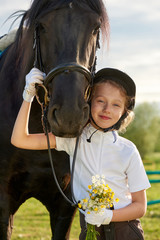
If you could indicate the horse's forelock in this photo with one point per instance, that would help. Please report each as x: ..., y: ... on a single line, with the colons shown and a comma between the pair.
x: 41, y: 7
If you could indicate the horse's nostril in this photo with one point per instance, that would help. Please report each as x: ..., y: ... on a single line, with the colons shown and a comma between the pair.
x: 52, y: 114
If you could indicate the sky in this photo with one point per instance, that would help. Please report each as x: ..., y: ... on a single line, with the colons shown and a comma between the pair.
x: 134, y: 41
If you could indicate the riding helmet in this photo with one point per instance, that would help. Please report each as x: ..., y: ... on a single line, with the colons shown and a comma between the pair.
x: 120, y: 78
x: 126, y: 82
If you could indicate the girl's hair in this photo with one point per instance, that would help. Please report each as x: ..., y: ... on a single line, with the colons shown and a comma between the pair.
x: 128, y: 116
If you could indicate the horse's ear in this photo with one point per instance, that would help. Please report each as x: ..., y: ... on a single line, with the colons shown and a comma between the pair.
x: 7, y: 39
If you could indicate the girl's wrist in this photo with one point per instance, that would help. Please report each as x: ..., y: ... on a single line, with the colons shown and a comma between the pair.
x: 108, y: 217
x: 27, y: 96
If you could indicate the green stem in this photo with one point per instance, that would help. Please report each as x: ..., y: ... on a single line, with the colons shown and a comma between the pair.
x: 91, y: 232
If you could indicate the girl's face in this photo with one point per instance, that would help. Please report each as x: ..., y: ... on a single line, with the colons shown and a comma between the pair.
x: 107, y: 105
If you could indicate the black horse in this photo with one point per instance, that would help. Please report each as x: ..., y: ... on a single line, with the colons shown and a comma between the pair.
x: 60, y: 37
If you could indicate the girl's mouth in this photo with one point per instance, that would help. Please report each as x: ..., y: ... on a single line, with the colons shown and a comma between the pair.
x: 104, y: 117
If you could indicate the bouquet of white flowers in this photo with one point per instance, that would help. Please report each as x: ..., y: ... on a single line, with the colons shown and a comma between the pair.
x: 100, y: 197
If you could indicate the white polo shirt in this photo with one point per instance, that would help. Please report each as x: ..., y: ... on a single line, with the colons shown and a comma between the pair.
x: 110, y: 155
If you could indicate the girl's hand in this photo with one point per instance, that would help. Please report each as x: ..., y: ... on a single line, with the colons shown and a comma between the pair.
x: 99, y: 218
x: 33, y: 77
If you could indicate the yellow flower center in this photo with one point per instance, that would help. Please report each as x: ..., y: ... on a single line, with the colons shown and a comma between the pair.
x: 79, y: 205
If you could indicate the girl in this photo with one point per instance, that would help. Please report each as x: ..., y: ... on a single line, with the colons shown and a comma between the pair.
x: 100, y: 151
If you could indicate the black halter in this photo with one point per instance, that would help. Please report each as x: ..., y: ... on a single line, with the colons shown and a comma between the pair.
x: 62, y: 68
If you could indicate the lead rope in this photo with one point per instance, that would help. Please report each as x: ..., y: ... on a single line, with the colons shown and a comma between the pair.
x: 45, y: 128
x: 73, y: 167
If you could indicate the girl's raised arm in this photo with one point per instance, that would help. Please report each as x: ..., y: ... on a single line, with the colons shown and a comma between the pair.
x: 20, y: 135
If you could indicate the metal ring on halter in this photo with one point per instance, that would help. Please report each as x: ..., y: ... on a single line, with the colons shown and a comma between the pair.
x: 46, y: 98
x: 87, y: 93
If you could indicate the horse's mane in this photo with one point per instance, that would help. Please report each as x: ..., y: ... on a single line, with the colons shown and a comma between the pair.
x: 38, y: 9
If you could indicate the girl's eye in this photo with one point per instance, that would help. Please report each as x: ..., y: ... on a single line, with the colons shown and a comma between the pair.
x: 100, y: 101
x: 116, y: 105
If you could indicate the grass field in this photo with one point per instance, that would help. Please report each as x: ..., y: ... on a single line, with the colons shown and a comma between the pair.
x: 32, y: 220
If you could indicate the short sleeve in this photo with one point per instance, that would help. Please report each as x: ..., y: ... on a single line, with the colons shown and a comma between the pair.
x: 137, y: 177
x: 66, y: 144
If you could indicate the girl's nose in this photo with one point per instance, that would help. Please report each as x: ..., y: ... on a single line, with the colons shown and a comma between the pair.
x: 106, y: 107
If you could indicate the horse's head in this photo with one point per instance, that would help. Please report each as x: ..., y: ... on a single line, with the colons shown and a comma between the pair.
x: 66, y: 39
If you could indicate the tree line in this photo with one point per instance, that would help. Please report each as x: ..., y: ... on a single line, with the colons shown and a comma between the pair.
x: 144, y: 131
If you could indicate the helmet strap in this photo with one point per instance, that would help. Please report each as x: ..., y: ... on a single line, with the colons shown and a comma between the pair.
x: 100, y: 128
x: 116, y: 126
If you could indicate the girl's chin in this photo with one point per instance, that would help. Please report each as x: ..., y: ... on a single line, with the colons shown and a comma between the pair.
x: 100, y: 125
